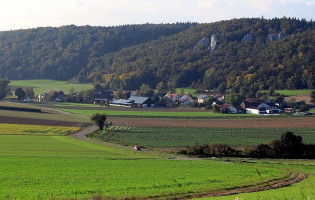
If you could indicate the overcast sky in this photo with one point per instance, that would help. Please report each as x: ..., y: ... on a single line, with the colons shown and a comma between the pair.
x: 22, y: 14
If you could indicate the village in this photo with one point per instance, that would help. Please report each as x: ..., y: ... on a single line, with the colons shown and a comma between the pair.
x: 218, y: 103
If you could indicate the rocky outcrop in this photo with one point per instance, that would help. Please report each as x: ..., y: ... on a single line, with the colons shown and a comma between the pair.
x: 214, y: 42
x: 248, y: 38
x: 204, y: 43
x: 275, y: 37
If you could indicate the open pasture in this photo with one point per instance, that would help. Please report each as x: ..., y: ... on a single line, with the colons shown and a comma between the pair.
x: 58, y: 167
x: 17, y: 129
x: 45, y: 85
x: 182, y: 137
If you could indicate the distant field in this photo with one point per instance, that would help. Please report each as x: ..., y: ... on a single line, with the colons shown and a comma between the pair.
x: 46, y: 114
x: 291, y: 92
x: 181, y: 137
x: 44, y: 85
x: 160, y: 114
x: 17, y: 129
x: 58, y: 167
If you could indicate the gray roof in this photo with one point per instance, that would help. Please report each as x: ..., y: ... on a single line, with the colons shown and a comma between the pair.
x: 203, y: 96
x: 122, y: 101
x: 184, y: 97
x: 138, y: 100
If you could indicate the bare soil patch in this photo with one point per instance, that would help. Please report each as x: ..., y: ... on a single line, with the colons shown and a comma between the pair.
x: 303, y: 97
x: 29, y: 121
x: 302, y: 122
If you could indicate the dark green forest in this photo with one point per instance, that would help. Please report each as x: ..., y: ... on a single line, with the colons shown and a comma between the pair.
x: 238, y: 54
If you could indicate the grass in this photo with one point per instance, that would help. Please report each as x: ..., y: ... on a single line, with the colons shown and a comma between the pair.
x: 58, y: 167
x: 162, y: 114
x: 181, y: 137
x: 303, y: 190
x: 17, y: 129
x: 45, y: 85
x: 290, y: 92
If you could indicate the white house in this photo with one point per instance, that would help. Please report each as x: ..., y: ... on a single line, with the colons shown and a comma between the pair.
x: 202, y: 98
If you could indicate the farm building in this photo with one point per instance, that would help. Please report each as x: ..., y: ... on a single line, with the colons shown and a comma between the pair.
x: 121, y: 102
x: 255, y: 107
x: 133, y: 101
x: 141, y: 101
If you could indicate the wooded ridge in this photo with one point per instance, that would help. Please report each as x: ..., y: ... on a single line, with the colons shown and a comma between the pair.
x: 234, y: 54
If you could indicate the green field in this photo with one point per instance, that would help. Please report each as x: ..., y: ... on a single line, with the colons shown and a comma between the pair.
x: 13, y: 129
x: 182, y: 137
x: 59, y: 167
x: 44, y: 85
x: 290, y: 92
x: 303, y: 190
x: 163, y: 114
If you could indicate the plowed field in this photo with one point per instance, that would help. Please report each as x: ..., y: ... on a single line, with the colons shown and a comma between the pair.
x: 302, y: 122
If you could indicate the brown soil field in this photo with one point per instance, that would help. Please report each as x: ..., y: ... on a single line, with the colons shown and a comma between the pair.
x: 303, y: 97
x: 302, y: 122
x: 29, y: 121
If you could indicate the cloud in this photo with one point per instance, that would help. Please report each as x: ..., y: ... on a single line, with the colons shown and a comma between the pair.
x: 263, y: 6
x: 208, y: 3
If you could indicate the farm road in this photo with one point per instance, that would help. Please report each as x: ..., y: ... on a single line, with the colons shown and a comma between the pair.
x: 302, y: 122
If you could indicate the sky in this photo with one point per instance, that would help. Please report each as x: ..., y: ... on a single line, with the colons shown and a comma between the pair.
x: 23, y: 14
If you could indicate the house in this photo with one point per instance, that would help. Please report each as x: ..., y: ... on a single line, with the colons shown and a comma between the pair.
x: 227, y: 108
x: 104, y: 96
x: 172, y: 96
x: 202, y: 98
x: 57, y: 95
x: 186, y: 100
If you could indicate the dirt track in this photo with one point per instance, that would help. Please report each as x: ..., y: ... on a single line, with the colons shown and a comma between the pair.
x: 15, y: 120
x: 217, y: 123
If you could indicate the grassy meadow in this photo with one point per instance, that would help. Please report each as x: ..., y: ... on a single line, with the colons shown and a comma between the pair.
x: 291, y: 92
x: 303, y: 190
x: 58, y: 167
x: 45, y: 85
x: 182, y: 137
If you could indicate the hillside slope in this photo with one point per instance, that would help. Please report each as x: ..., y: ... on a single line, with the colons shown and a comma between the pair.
x: 239, y: 54
x: 60, y: 53
x: 277, y: 53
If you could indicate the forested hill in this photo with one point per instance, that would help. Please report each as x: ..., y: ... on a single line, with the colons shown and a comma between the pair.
x: 60, y: 53
x: 243, y: 54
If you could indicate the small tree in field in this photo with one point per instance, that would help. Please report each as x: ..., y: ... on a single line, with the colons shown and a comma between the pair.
x: 99, y: 120
x: 19, y: 92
